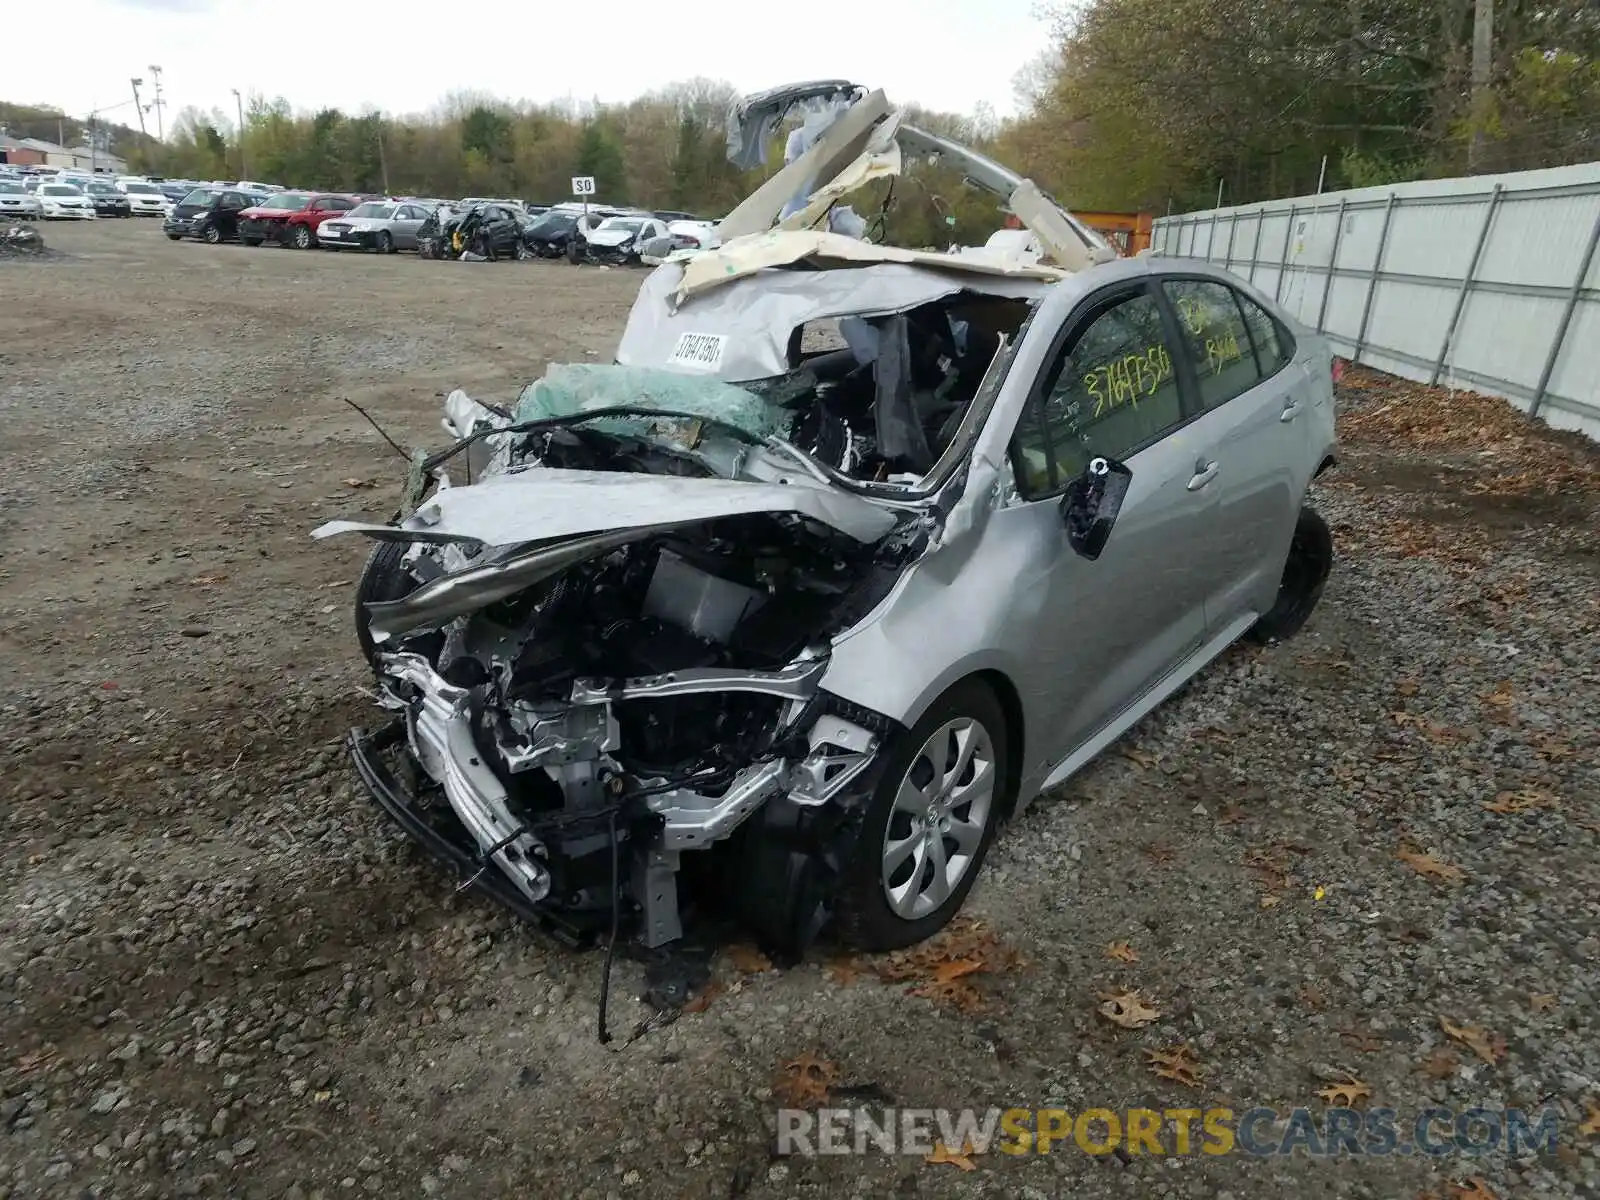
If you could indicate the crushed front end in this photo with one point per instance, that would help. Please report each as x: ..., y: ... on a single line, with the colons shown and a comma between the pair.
x: 605, y: 657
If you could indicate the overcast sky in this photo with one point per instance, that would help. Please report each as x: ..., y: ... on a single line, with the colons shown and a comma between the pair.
x: 406, y: 55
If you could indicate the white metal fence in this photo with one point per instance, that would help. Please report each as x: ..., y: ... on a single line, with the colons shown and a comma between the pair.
x: 1490, y: 283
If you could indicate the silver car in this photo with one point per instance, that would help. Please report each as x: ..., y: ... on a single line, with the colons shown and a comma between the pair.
x: 16, y: 202
x: 386, y: 226
x: 833, y: 570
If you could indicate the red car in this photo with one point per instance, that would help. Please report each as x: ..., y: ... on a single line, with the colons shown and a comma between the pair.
x: 291, y: 218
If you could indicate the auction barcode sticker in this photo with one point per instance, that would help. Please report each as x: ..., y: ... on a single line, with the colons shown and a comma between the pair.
x: 702, y: 351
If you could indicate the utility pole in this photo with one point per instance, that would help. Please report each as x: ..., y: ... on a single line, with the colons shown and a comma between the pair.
x: 383, y: 162
x: 1482, y: 69
x: 155, y: 83
x: 238, y: 103
x: 137, y: 107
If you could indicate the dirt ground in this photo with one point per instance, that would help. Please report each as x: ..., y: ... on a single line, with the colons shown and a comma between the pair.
x: 1367, y: 856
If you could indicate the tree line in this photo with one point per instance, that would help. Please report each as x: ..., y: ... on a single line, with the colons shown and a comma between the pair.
x: 1133, y: 104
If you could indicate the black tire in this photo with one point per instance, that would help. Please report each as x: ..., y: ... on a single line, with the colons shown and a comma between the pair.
x: 212, y: 235
x: 385, y: 242
x: 174, y: 237
x: 524, y: 253
x: 1305, y: 575
x: 384, y: 577
x: 251, y: 241
x: 865, y: 919
x: 303, y: 238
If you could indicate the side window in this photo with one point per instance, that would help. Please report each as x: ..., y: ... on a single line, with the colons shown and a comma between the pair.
x: 1218, y: 342
x: 232, y: 200
x: 1111, y: 391
x: 1274, y: 347
x: 337, y: 204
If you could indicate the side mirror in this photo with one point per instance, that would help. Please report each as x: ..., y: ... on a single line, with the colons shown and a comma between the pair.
x: 1091, y: 503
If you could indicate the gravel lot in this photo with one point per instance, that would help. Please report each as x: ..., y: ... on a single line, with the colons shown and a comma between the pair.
x: 223, y: 974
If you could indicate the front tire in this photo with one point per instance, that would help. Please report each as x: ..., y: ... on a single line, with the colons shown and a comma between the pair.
x: 1305, y: 575
x: 212, y: 235
x: 174, y: 237
x: 303, y: 237
x: 929, y: 825
x: 251, y: 241
x: 385, y: 243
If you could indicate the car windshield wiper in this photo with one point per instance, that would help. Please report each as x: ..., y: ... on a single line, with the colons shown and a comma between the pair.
x: 441, y: 457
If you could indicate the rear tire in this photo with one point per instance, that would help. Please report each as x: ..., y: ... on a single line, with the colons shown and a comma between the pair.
x: 1305, y: 575
x: 967, y: 795
x: 251, y: 241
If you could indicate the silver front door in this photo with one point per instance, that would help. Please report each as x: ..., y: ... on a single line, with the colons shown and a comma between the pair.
x: 1102, y: 632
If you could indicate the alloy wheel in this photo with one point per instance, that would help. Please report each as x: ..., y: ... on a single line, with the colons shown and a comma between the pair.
x: 941, y: 812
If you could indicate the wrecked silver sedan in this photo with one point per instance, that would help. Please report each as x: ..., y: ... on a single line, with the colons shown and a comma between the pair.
x: 851, y: 552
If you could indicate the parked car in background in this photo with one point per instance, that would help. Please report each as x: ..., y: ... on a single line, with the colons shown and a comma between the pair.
x: 382, y: 225
x: 108, y: 199
x: 145, y: 199
x: 488, y: 231
x: 176, y: 189
x: 17, y: 203
x: 680, y: 235
x: 617, y: 240
x: 292, y: 218
x: 549, y: 235
x: 210, y: 214
x: 63, y: 202
x: 469, y: 201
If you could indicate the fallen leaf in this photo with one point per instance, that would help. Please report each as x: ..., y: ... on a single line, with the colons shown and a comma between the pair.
x: 35, y: 1059
x: 943, y: 967
x: 805, y: 1081
x: 1160, y: 852
x: 1122, y: 952
x: 1441, y: 1064
x: 1348, y: 1094
x: 1178, y: 1064
x: 1271, y: 901
x: 207, y: 580
x: 943, y: 1154
x: 947, y: 972
x: 1521, y: 801
x: 1469, y: 1189
x: 1552, y: 749
x: 747, y: 959
x: 1230, y: 815
x: 1490, y: 1047
x: 358, y: 483
x: 703, y: 1001
x: 1140, y: 758
x: 1543, y: 1001
x: 1500, y: 697
x: 1407, y: 687
x: 1591, y: 1123
x: 1361, y: 1040
x: 842, y: 970
x: 1127, y: 1009
x: 1311, y: 997
x: 1429, y: 866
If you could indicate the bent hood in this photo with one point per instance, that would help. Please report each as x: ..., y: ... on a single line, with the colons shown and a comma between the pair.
x: 547, y: 504
x: 610, y: 237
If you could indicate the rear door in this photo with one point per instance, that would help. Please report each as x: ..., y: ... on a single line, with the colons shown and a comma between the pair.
x: 1106, y: 631
x: 1241, y: 362
x: 227, y: 212
x: 408, y: 219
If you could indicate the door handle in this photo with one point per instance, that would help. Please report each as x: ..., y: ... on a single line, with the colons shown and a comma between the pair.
x: 1204, y: 473
x: 1291, y: 409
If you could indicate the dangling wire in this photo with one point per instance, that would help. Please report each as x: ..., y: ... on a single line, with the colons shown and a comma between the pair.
x: 611, y: 944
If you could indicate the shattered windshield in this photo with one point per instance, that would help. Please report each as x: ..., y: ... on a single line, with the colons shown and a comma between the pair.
x: 571, y: 388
